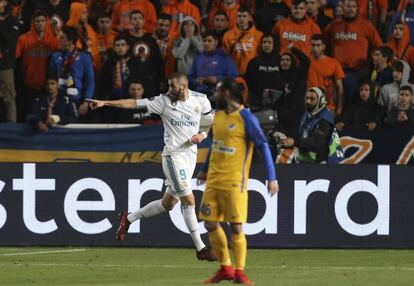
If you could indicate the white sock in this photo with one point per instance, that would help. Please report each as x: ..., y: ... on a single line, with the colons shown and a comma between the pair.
x: 191, y: 222
x: 151, y: 209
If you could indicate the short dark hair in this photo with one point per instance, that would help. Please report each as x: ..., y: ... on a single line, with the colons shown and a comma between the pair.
x: 133, y: 12
x: 121, y: 37
x: 179, y: 76
x: 71, y: 33
x: 39, y: 13
x: 406, y: 87
x: 165, y: 16
x: 235, y: 89
x: 297, y: 2
x: 243, y: 9
x: 104, y: 14
x: 318, y: 37
x: 52, y: 76
x: 398, y: 66
x: 221, y: 12
x: 209, y: 33
x: 385, y: 51
x: 135, y: 81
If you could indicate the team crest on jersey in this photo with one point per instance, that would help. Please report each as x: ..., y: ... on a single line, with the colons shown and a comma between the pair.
x: 232, y: 127
x: 174, y: 103
x: 196, y: 109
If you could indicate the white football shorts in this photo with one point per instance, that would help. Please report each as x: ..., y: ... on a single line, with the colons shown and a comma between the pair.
x: 178, y: 169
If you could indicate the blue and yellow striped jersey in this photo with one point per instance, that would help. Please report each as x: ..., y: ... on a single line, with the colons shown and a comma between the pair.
x: 234, y: 136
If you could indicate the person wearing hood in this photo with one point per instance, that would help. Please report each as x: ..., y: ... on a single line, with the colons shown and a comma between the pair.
x: 399, y: 42
x: 406, y: 14
x: 88, y: 41
x: 318, y: 141
x: 297, y: 28
x: 388, y: 96
x: 34, y: 49
x: 263, y: 73
x: 293, y: 78
x: 188, y: 45
x: 242, y: 42
x: 365, y: 112
x: 179, y: 11
x: 211, y: 66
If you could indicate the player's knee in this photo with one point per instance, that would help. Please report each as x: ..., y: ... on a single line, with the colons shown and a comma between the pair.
x: 210, y: 226
x: 236, y: 228
x: 168, y: 205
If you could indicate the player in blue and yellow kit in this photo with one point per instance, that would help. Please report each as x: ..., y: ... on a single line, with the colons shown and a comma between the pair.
x: 235, y: 131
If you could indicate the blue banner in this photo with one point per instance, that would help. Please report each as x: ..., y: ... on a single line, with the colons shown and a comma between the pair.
x: 137, y: 144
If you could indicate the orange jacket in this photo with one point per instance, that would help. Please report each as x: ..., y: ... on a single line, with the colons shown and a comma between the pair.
x: 120, y: 14
x: 35, y: 53
x: 402, y: 46
x: 242, y: 46
x: 288, y: 30
x: 230, y: 12
x: 178, y: 11
x: 75, y: 14
x: 349, y: 41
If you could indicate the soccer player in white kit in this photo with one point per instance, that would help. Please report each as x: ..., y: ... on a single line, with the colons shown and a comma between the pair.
x: 181, y: 110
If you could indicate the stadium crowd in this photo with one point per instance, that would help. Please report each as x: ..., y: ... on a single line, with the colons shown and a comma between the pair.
x: 56, y: 54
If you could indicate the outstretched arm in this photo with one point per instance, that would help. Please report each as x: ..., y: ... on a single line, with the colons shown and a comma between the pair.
x: 120, y: 103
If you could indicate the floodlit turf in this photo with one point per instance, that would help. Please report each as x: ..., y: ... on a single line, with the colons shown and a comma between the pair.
x: 143, y: 266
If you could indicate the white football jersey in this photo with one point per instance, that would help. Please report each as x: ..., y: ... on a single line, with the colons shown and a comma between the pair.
x: 181, y: 119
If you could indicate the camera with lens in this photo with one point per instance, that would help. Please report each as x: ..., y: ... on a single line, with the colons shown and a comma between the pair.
x: 268, y: 119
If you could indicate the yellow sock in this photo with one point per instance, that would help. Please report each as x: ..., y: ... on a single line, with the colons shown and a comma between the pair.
x: 218, y: 241
x: 239, y: 247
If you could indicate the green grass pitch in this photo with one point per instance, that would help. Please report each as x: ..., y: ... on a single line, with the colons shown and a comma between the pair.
x: 152, y: 266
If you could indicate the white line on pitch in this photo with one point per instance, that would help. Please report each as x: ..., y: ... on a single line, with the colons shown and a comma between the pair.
x: 43, y: 252
x: 281, y: 267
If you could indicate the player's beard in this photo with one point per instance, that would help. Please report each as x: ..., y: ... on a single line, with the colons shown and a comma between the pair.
x: 309, y: 107
x: 175, y: 96
x: 221, y: 103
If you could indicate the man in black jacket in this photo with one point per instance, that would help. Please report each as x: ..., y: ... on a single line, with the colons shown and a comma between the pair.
x: 53, y: 107
x: 9, y: 32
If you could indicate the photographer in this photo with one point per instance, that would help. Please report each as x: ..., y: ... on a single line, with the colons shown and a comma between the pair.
x: 9, y: 32
x: 318, y: 140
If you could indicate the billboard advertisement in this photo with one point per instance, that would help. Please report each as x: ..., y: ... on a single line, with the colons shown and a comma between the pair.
x: 345, y: 206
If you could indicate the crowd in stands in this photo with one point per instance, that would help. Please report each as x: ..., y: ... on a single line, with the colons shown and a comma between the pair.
x: 56, y: 54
